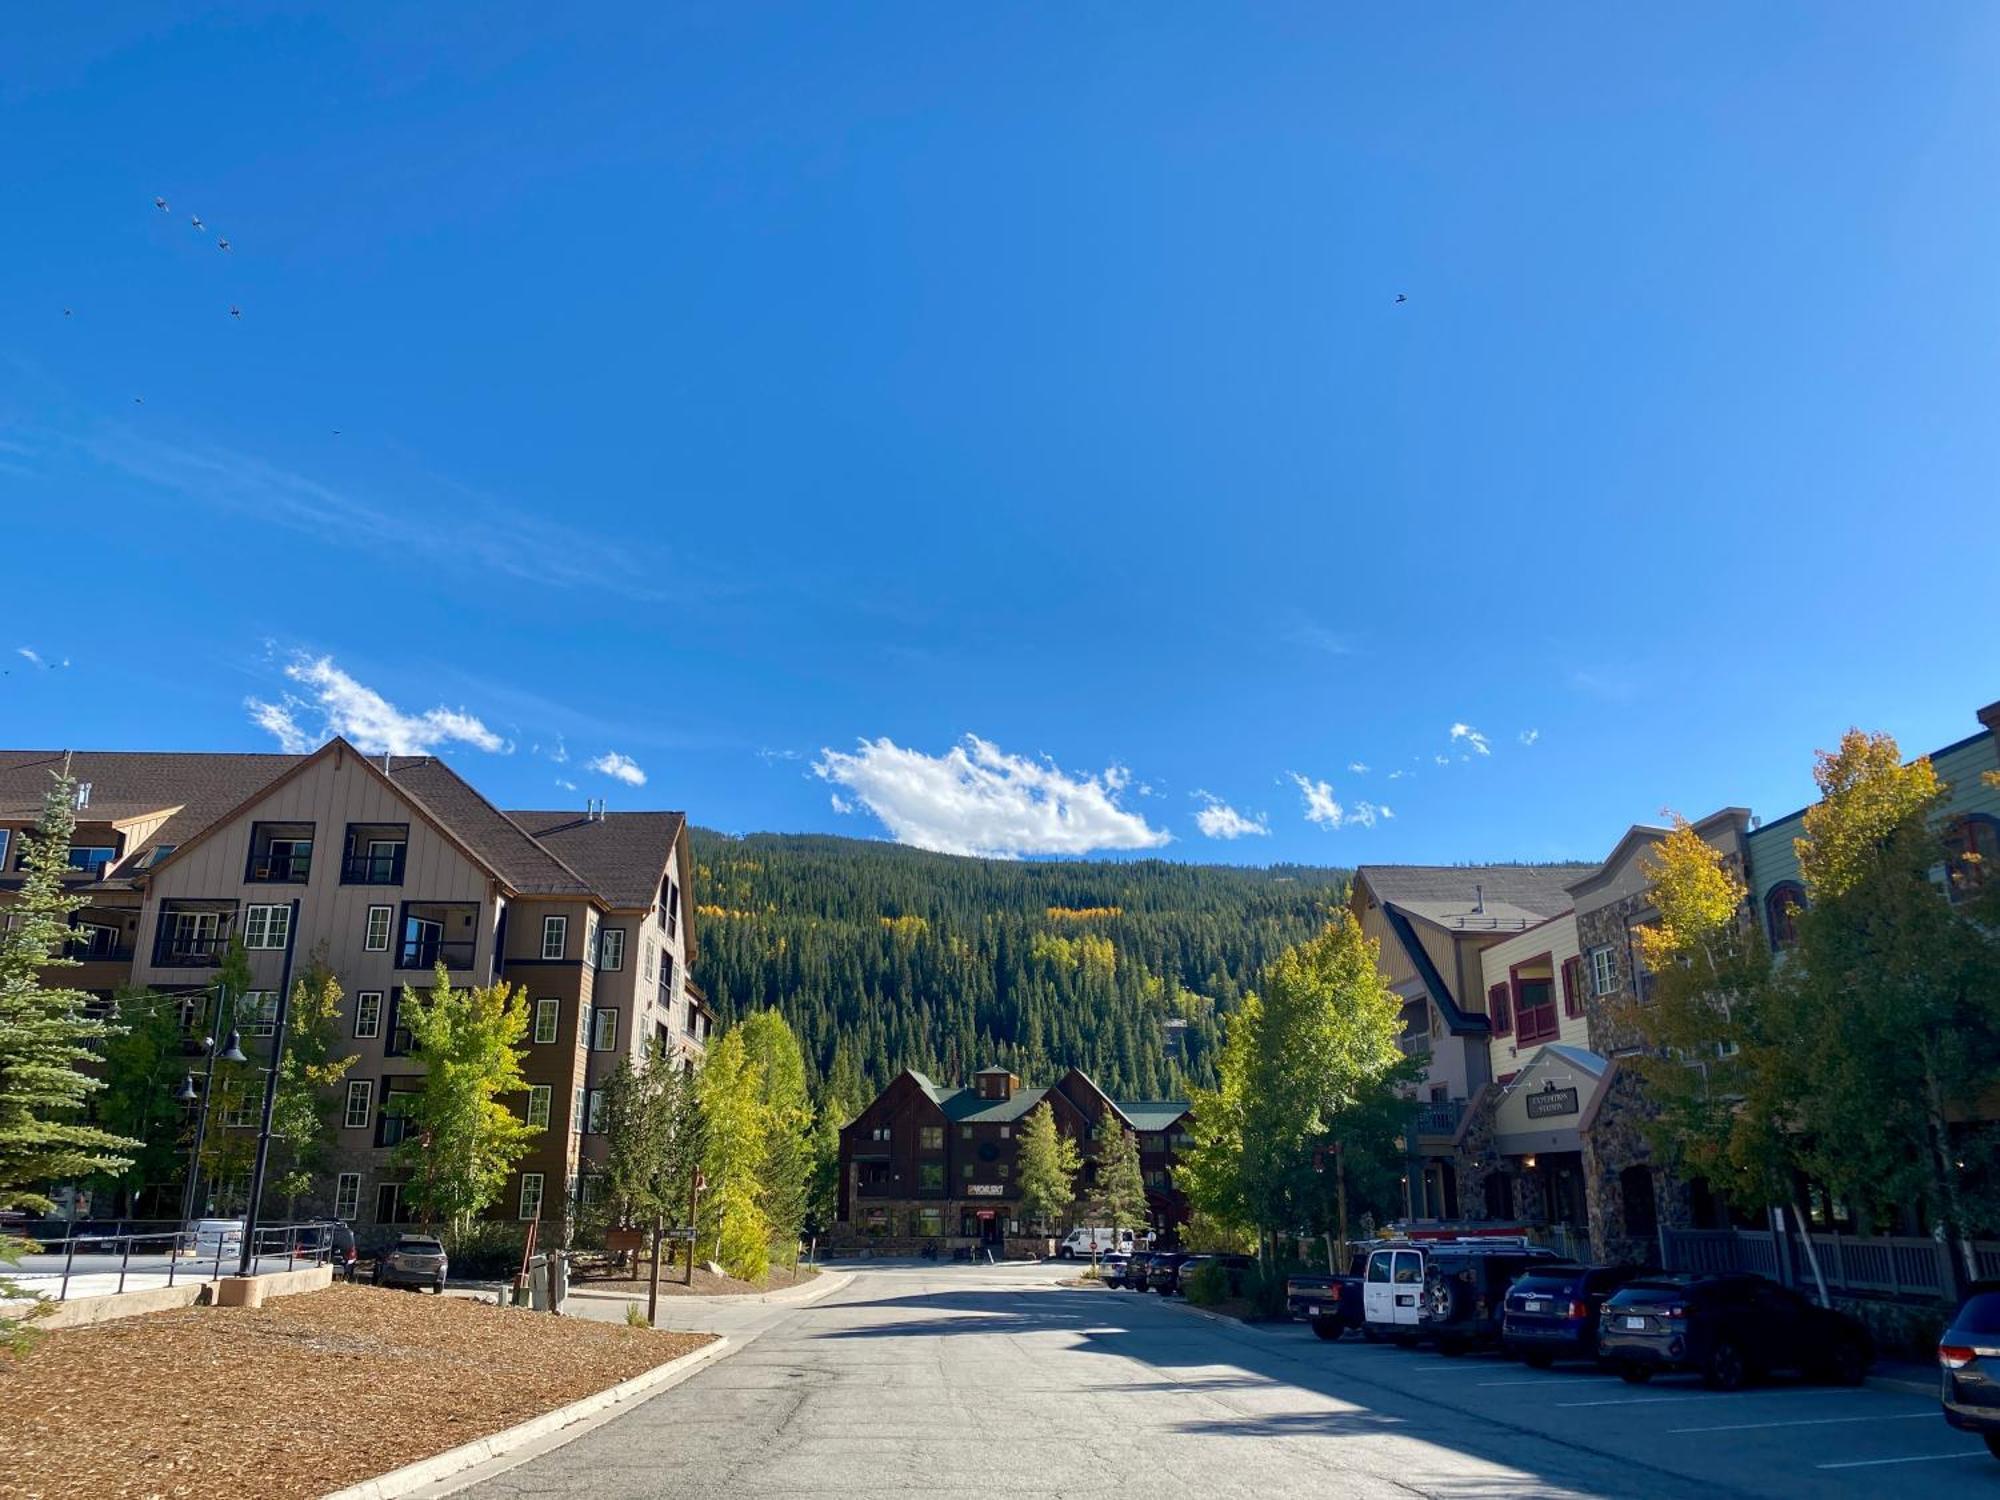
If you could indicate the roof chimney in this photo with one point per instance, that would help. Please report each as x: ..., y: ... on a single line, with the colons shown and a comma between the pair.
x: 1478, y: 898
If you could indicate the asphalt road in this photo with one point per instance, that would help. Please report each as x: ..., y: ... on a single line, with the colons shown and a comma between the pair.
x: 988, y: 1381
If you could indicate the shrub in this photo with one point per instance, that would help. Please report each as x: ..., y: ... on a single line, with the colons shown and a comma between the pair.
x: 1265, y: 1291
x: 634, y: 1318
x: 484, y: 1250
x: 1208, y: 1285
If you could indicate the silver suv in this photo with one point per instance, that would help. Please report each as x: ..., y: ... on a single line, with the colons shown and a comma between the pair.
x: 415, y: 1260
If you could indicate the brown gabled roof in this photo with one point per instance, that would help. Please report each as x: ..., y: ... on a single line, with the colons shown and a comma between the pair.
x: 1475, y: 897
x: 624, y: 856
x: 193, y: 787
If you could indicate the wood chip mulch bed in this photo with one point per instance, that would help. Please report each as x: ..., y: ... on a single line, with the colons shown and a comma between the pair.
x: 302, y: 1396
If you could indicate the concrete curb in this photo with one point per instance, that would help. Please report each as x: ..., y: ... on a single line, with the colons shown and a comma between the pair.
x: 1215, y: 1317
x: 439, y: 1466
x: 784, y: 1296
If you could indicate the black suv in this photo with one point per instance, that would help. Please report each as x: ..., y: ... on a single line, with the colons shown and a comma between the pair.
x: 1731, y: 1330
x: 1163, y: 1269
x: 1552, y: 1312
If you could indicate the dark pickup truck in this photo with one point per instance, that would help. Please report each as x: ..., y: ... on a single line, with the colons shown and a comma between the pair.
x: 1332, y: 1304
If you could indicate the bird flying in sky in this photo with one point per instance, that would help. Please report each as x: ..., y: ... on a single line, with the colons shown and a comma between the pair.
x: 160, y: 204
x: 196, y: 221
x: 222, y: 244
x: 1401, y: 298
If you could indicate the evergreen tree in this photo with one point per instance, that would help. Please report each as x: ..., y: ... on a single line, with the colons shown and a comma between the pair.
x: 729, y: 1088
x: 145, y: 1062
x: 652, y: 1139
x: 1121, y: 1185
x: 465, y: 1140
x: 1049, y: 1164
x: 46, y: 1033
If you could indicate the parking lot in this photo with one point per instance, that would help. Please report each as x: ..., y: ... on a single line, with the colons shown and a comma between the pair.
x: 1784, y: 1437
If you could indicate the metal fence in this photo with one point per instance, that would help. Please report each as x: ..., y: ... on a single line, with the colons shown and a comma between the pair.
x: 1853, y: 1265
x: 87, y: 1264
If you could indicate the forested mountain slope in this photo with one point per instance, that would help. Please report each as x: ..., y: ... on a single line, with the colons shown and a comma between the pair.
x: 886, y: 957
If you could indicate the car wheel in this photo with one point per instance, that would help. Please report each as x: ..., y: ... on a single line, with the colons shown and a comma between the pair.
x: 1848, y: 1364
x: 1634, y: 1374
x: 1727, y: 1370
x: 1538, y: 1361
x: 1326, y: 1328
x: 1451, y: 1347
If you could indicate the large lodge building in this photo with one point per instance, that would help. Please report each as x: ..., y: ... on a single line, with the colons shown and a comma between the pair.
x: 926, y: 1163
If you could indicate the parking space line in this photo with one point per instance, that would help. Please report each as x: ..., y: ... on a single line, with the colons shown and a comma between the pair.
x: 1544, y: 1380
x: 1917, y: 1458
x: 1901, y: 1416
x: 1769, y: 1390
x: 1638, y: 1400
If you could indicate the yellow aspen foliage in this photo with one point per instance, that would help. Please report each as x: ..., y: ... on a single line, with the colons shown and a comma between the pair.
x: 1696, y: 893
x: 1866, y: 794
x: 1084, y: 913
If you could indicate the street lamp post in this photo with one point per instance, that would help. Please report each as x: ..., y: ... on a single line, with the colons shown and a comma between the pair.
x: 250, y: 1210
x: 214, y: 1045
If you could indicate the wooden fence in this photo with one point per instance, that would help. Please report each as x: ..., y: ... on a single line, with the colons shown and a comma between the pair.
x: 1853, y: 1265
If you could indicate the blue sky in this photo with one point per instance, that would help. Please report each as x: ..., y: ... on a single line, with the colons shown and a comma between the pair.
x: 772, y: 398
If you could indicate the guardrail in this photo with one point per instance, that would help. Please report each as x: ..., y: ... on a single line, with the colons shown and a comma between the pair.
x: 207, y: 1257
x: 1853, y: 1265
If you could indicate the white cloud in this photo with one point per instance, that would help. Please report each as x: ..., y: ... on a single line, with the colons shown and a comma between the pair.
x: 30, y: 653
x: 1218, y: 820
x: 618, y: 768
x: 276, y: 720
x: 1357, y: 767
x: 1321, y: 808
x: 1398, y: 774
x: 568, y: 786
x: 1365, y: 813
x: 1443, y: 760
x: 976, y: 798
x: 1386, y: 811
x: 1529, y: 736
x: 840, y: 803
x: 1472, y: 737
x: 360, y: 714
x: 1308, y: 632
x: 560, y: 755
x: 769, y: 756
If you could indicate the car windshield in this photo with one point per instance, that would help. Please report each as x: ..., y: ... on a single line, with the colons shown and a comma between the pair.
x: 1648, y: 1291
x: 1981, y: 1314
x: 420, y: 1247
x: 1546, y: 1281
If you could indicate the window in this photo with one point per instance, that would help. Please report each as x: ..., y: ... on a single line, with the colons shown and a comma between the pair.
x: 347, y: 1196
x: 239, y: 1109
x: 548, y: 1016
x: 965, y: 1132
x: 360, y: 1101
x: 368, y: 1013
x: 930, y: 1174
x: 6, y: 836
x: 400, y: 1041
x: 593, y: 1111
x: 1001, y: 1169
x: 259, y: 1013
x: 1534, y: 1001
x: 1974, y: 845
x: 576, y: 1107
x: 603, y: 1029
x: 1781, y: 910
x: 611, y: 949
x: 396, y: 1119
x: 376, y: 938
x: 667, y: 970
x: 1496, y: 1010
x: 966, y: 1171
x: 670, y: 908
x: 1006, y: 1131
x: 92, y: 857
x: 1642, y: 977
x: 1573, y: 986
x: 930, y: 1221
x: 590, y: 939
x: 267, y: 926
x: 539, y: 1098
x: 1603, y: 971
x: 881, y: 1133
x: 389, y: 1203
x: 931, y: 1137
x: 649, y: 960
x: 555, y: 936
x: 531, y: 1195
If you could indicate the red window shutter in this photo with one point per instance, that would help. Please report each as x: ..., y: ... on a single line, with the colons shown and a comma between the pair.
x: 1572, y: 986
x: 1499, y: 1010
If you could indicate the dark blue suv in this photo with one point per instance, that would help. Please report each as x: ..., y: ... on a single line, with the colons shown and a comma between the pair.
x: 1552, y: 1312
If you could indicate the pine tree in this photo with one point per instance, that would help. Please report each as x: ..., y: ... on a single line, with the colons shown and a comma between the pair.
x: 1120, y: 1184
x: 46, y: 1034
x: 466, y: 1140
x: 1049, y: 1164
x: 145, y: 1061
x: 788, y: 1119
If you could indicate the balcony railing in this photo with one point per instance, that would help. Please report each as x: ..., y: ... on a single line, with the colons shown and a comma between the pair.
x: 425, y: 953
x: 280, y: 869
x: 177, y: 951
x: 373, y: 869
x: 1439, y: 1116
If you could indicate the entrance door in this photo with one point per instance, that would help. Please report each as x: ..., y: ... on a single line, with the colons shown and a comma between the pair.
x: 1408, y: 1286
x: 989, y: 1229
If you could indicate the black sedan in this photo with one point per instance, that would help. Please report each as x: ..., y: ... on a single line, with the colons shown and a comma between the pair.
x: 1731, y: 1330
x: 1137, y: 1265
x: 1552, y: 1312
x: 1969, y: 1365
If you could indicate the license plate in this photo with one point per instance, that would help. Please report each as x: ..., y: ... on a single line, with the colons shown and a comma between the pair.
x: 1321, y: 1310
x: 1635, y: 1322
x: 1534, y: 1304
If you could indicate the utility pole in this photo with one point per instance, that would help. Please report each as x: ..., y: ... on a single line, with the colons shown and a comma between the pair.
x: 653, y: 1279
x: 1340, y: 1201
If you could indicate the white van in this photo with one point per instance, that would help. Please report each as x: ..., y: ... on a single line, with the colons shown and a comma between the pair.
x: 1084, y: 1243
